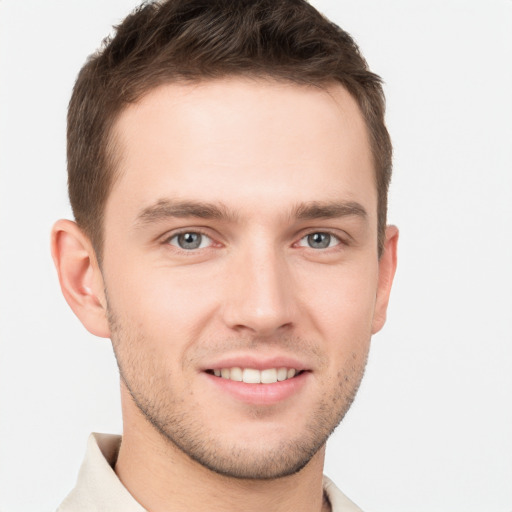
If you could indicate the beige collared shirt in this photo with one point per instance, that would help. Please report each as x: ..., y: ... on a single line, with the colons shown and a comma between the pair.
x: 99, y: 490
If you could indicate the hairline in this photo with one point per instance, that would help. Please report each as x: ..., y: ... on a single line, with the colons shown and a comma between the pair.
x: 113, y: 153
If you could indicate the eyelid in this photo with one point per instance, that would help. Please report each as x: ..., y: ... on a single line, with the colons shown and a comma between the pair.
x: 332, y: 235
x: 205, y: 242
x: 166, y: 239
x: 343, y: 238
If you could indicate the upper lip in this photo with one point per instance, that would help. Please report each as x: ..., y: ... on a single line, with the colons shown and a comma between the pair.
x: 256, y: 362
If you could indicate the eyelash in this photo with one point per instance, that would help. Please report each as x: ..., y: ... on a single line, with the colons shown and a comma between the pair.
x: 329, y: 234
x: 167, y: 241
x: 195, y: 231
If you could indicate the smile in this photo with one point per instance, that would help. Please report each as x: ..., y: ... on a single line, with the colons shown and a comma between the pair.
x: 254, y: 376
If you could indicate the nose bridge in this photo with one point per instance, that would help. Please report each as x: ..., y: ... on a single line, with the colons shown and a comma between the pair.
x: 260, y: 298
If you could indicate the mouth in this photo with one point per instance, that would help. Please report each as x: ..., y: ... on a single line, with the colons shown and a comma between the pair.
x: 255, y: 376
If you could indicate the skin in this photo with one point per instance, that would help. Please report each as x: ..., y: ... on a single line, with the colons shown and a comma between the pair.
x: 256, y: 168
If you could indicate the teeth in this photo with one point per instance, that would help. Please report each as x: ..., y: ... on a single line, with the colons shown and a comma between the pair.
x: 269, y: 376
x: 236, y: 374
x: 282, y: 374
x: 253, y: 376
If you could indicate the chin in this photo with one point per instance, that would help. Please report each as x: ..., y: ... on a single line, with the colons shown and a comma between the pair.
x: 258, y: 463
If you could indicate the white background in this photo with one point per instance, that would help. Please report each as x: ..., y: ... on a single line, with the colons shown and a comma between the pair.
x: 431, y: 429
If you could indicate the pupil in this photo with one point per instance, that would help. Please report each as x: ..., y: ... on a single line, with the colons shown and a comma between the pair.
x: 319, y: 240
x: 189, y: 240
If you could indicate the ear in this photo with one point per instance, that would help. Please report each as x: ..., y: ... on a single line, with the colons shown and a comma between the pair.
x: 387, y: 267
x: 80, y: 277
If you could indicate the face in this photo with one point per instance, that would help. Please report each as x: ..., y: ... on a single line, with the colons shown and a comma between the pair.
x: 241, y: 270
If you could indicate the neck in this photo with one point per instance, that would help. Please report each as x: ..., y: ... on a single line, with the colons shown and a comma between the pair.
x: 160, y: 476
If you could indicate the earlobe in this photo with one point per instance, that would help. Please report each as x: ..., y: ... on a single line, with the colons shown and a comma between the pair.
x: 387, y: 268
x: 80, y: 278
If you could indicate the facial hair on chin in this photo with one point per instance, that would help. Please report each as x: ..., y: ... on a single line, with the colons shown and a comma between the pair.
x: 172, y: 417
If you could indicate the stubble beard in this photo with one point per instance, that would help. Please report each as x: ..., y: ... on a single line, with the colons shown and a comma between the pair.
x: 172, y: 418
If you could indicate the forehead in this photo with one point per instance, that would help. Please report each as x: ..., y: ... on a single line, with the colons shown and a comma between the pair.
x: 242, y: 141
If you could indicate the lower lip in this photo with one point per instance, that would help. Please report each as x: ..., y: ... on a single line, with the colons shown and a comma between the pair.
x: 260, y: 394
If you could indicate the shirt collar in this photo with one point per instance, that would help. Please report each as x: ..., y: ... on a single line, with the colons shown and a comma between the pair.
x: 98, y: 488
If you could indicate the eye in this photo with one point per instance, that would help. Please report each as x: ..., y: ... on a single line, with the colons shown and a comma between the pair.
x: 319, y: 240
x: 190, y: 240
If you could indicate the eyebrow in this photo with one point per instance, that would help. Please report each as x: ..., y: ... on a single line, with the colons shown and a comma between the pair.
x: 165, y: 209
x: 329, y: 210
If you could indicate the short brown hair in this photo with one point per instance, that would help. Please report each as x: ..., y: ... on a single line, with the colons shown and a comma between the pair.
x: 190, y: 40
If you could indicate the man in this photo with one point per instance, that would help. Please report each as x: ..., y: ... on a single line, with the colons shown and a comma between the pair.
x: 228, y: 171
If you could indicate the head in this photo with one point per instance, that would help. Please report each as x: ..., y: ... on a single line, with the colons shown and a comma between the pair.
x: 189, y: 41
x: 228, y: 169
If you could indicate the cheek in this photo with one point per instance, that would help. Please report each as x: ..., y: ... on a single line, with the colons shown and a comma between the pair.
x: 341, y: 302
x: 162, y: 303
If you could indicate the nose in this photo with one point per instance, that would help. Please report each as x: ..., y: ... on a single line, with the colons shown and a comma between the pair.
x: 260, y: 294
